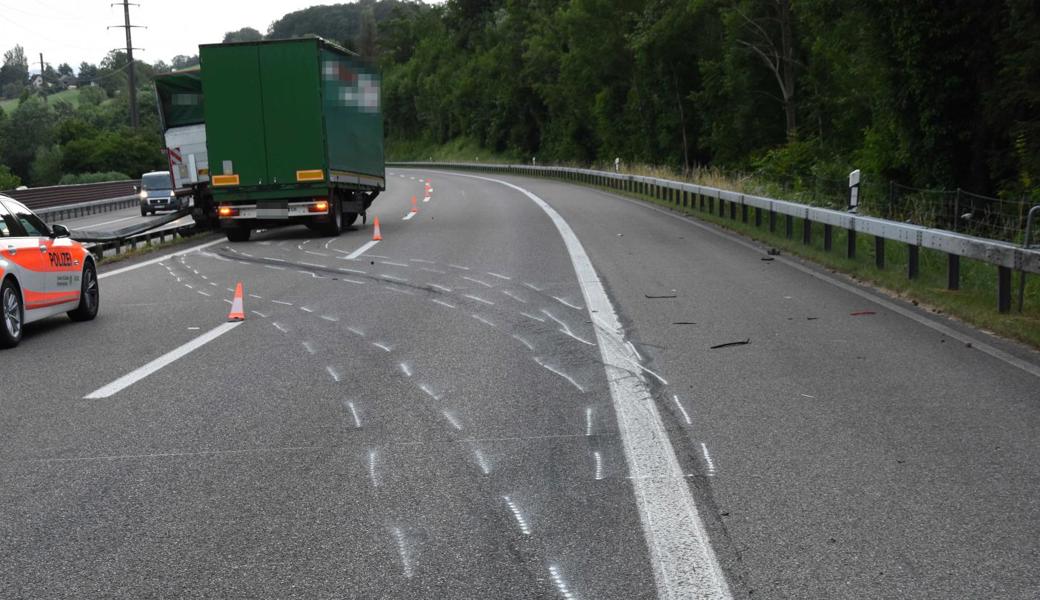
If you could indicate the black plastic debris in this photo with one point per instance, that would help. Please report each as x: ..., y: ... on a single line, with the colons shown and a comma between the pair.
x: 728, y: 344
x: 656, y: 297
x: 684, y: 322
x: 773, y: 252
x: 767, y: 258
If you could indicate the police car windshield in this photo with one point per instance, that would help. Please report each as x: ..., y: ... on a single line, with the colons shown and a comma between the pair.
x: 157, y: 181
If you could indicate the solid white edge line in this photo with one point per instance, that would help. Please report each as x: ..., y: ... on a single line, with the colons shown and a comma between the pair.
x: 364, y: 248
x: 685, y: 565
x: 140, y: 373
x: 153, y: 261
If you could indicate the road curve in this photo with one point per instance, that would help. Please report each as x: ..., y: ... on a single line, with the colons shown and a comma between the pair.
x: 444, y: 416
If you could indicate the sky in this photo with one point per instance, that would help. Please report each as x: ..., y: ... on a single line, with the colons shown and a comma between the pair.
x: 73, y: 31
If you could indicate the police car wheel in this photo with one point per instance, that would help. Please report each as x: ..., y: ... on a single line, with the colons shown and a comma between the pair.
x: 89, y: 296
x: 12, y: 315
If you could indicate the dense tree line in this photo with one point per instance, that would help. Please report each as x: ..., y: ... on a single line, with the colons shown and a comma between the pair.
x: 931, y: 94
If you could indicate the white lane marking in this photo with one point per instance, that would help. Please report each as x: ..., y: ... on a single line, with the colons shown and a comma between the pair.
x: 393, y: 264
x: 349, y: 280
x: 393, y: 278
x: 305, y: 309
x: 329, y: 243
x: 282, y: 302
x: 426, y: 199
x: 506, y: 277
x: 153, y: 261
x: 524, y: 342
x: 372, y: 467
x: 571, y: 334
x: 422, y: 260
x: 559, y: 321
x: 565, y: 303
x: 356, y: 331
x: 588, y: 421
x: 481, y: 461
x: 312, y: 252
x: 258, y: 313
x: 446, y: 290
x: 685, y: 415
x: 685, y: 564
x: 557, y: 371
x: 483, y: 320
x: 599, y: 464
x: 382, y: 347
x: 707, y: 460
x: 532, y: 317
x: 429, y: 270
x: 479, y: 299
x: 459, y: 267
x: 309, y: 347
x: 533, y: 287
x: 442, y: 303
x: 310, y: 264
x: 228, y: 301
x: 279, y: 327
x: 402, y: 549
x: 521, y: 522
x: 451, y: 419
x: 474, y: 280
x: 355, y: 271
x: 203, y: 293
x: 406, y: 369
x: 190, y: 287
x: 332, y: 372
x: 353, y: 413
x: 140, y: 373
x: 561, y: 585
x: 514, y: 296
x: 330, y: 318
x: 364, y: 248
x: 409, y: 216
x: 428, y: 391
x: 274, y: 267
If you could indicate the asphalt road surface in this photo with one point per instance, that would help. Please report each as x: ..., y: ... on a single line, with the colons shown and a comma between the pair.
x: 513, y: 395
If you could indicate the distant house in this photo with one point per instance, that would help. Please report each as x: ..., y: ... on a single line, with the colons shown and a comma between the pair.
x: 36, y: 81
x: 68, y: 82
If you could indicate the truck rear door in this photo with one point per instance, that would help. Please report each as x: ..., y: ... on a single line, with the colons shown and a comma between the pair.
x: 293, y: 128
x: 234, y: 114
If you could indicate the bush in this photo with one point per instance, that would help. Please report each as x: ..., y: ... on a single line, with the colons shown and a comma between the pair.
x: 46, y: 167
x: 8, y: 180
x: 77, y: 178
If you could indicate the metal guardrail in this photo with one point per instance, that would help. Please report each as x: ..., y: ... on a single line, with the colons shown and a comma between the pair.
x: 1005, y: 256
x: 68, y: 211
x: 60, y: 195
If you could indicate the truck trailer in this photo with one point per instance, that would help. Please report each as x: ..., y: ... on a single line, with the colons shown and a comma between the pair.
x: 294, y: 134
x: 179, y: 99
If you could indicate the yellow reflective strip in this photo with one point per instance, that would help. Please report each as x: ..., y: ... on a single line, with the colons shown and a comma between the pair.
x: 310, y: 175
x: 225, y: 179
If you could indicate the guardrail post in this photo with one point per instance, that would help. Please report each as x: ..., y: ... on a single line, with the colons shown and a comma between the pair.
x: 879, y: 252
x: 722, y: 207
x: 1003, y: 289
x: 789, y: 226
x: 758, y: 216
x: 700, y: 198
x: 850, y: 250
x: 743, y: 213
x: 732, y: 210
x: 828, y: 237
x: 914, y: 262
x: 807, y: 232
x: 772, y: 221
x: 685, y: 198
x: 711, y: 204
x: 953, y: 272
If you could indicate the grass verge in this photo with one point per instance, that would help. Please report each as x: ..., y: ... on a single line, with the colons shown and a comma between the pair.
x: 146, y: 248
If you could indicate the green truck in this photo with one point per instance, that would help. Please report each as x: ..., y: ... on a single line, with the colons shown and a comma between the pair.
x: 294, y: 134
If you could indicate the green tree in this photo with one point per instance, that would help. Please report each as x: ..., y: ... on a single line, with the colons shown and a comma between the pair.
x: 29, y: 127
x: 246, y: 34
x: 8, y: 180
x: 46, y: 168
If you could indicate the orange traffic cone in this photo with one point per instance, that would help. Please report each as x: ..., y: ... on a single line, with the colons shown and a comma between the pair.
x: 415, y: 204
x: 376, y: 236
x: 236, y: 313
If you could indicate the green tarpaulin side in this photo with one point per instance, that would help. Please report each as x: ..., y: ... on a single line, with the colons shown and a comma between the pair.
x: 180, y: 98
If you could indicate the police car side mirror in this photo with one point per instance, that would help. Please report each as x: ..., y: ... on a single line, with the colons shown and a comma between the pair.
x: 59, y: 231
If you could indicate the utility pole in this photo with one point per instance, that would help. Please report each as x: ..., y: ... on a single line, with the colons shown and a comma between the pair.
x: 43, y: 82
x: 132, y: 97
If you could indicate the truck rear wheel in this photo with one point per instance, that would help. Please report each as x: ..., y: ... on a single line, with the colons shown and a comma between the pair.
x: 336, y: 224
x: 239, y: 234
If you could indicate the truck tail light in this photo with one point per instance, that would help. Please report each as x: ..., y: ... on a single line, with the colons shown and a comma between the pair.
x: 227, y: 211
x: 321, y: 205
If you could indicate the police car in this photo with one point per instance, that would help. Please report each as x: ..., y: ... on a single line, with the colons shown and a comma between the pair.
x: 42, y: 273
